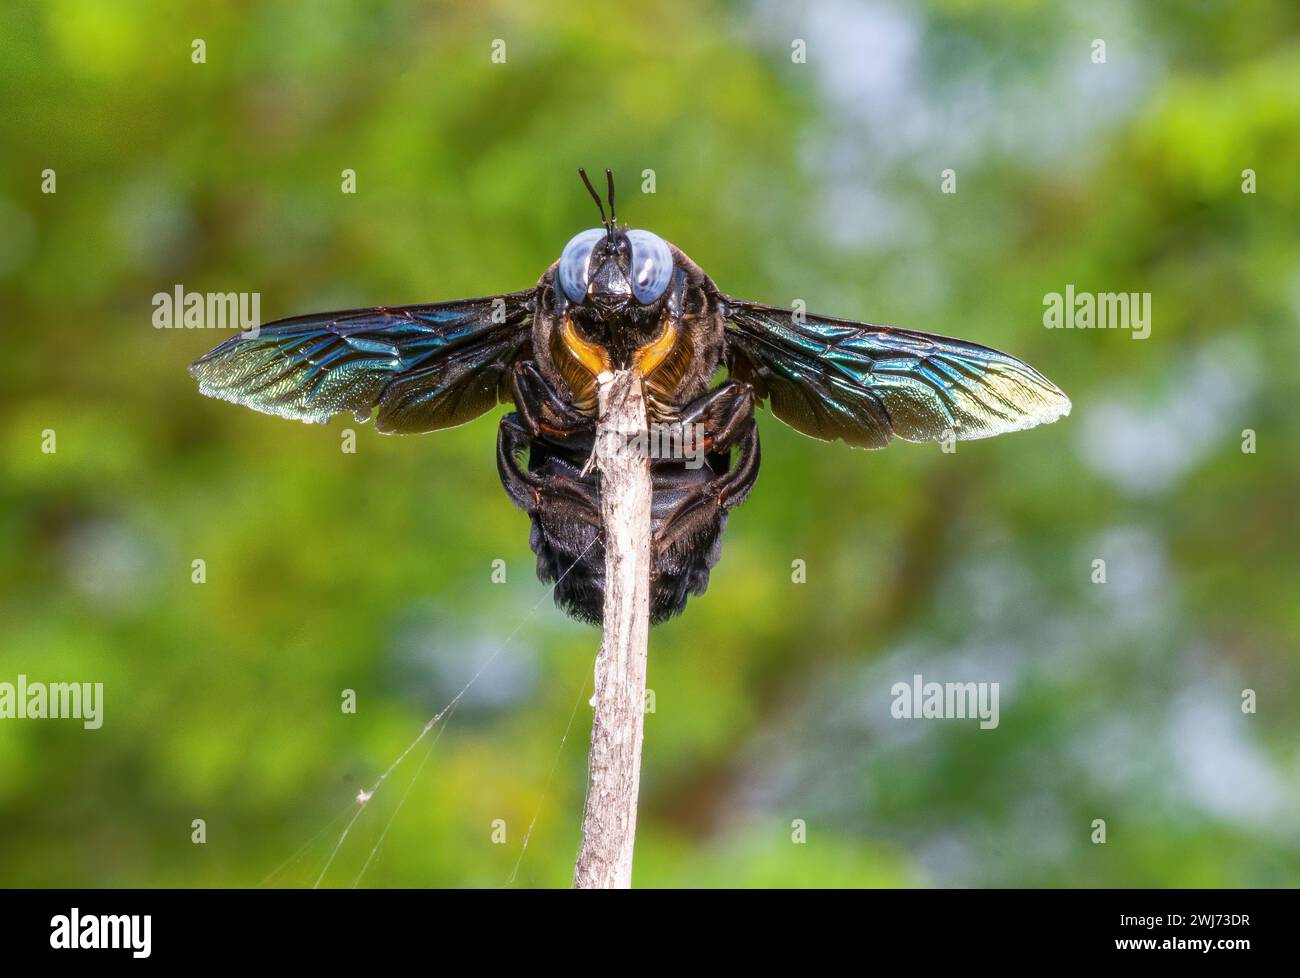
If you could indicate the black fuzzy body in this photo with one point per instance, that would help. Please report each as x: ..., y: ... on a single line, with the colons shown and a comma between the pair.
x: 686, y: 525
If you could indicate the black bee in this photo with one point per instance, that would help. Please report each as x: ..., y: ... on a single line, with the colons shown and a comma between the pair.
x: 620, y: 298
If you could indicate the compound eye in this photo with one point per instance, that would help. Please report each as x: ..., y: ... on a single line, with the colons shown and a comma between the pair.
x: 652, y: 266
x: 574, y: 261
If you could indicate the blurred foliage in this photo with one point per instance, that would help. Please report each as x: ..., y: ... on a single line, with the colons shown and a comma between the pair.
x: 328, y: 571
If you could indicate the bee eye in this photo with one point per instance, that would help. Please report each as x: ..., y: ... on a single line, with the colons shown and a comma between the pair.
x: 652, y: 266
x: 574, y: 260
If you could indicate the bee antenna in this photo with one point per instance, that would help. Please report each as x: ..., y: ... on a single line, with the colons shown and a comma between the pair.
x: 595, y: 196
x: 609, y: 181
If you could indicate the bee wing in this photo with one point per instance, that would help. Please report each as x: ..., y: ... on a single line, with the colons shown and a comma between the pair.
x: 425, y: 367
x: 864, y: 384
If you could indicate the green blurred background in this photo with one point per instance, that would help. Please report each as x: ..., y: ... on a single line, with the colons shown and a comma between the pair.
x: 372, y: 571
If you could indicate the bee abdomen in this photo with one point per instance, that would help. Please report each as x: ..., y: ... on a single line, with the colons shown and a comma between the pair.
x: 688, y: 516
x: 576, y: 565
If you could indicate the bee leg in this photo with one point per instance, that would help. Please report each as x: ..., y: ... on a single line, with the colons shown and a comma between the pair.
x: 722, y: 415
x: 541, y: 410
x: 565, y: 513
x: 531, y: 491
x: 523, y: 487
x: 706, y: 505
x: 731, y: 489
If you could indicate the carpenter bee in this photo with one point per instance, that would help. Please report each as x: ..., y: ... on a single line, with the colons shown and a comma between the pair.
x: 617, y: 298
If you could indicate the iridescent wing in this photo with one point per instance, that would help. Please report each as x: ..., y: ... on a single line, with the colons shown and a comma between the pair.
x: 424, y: 367
x: 834, y: 378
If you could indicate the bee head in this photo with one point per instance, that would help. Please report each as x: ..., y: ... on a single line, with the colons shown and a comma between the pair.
x: 612, y: 285
x: 608, y: 274
x: 612, y: 270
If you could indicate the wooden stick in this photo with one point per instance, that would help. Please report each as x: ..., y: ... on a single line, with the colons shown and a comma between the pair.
x: 614, y: 765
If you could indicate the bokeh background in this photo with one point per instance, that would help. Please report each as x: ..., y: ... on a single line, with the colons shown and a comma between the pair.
x: 372, y: 571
